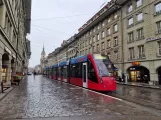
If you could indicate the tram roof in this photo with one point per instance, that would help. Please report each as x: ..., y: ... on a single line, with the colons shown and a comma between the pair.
x: 79, y: 59
x: 62, y: 63
x: 56, y: 65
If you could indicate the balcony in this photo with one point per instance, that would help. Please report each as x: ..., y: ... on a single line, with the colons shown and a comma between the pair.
x: 157, y: 13
x: 141, y: 56
x: 131, y: 58
x: 140, y: 37
x: 130, y: 41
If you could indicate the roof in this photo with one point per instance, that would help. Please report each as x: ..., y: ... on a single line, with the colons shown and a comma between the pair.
x: 79, y: 59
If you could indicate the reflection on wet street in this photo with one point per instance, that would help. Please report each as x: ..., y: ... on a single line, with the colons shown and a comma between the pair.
x: 144, y: 96
x: 40, y: 97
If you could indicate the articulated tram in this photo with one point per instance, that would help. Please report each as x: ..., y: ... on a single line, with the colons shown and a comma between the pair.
x: 90, y: 71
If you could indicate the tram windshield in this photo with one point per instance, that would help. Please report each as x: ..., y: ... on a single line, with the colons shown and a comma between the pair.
x: 104, y: 65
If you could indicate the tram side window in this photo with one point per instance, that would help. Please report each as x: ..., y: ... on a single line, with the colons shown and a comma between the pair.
x: 65, y: 71
x: 76, y: 70
x: 72, y: 70
x: 91, y: 72
x: 61, y: 71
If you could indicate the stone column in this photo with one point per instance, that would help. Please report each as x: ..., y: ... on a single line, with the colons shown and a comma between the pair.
x: 8, y: 73
x: 153, y: 78
x: 3, y: 15
x: 0, y: 68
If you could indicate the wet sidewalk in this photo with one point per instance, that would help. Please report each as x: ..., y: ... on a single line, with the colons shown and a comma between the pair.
x: 137, y: 84
x: 39, y: 98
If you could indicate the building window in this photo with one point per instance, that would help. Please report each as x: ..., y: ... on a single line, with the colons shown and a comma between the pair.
x: 141, y: 51
x: 130, y: 37
x: 158, y: 27
x: 93, y: 49
x: 90, y: 32
x: 90, y: 41
x: 109, y: 20
x: 103, y: 24
x: 131, y: 53
x: 115, y: 41
x: 98, y: 27
x: 108, y: 31
x: 140, y: 17
x: 103, y: 45
x: 87, y: 42
x: 109, y: 55
x: 103, y: 34
x: 140, y: 34
x: 138, y: 3
x: 94, y: 30
x: 159, y: 45
x: 108, y: 43
x: 98, y: 37
x: 116, y: 54
x: 158, y: 8
x: 98, y: 47
x: 115, y: 15
x: 130, y: 21
x: 115, y: 28
x: 94, y: 39
x: 130, y: 8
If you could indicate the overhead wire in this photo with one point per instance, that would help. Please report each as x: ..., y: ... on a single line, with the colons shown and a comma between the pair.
x: 61, y: 17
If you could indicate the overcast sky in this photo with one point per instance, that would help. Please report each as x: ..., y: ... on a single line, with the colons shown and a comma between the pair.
x: 56, y: 20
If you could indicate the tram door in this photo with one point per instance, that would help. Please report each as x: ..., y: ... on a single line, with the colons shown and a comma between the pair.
x: 84, y: 75
x: 65, y: 74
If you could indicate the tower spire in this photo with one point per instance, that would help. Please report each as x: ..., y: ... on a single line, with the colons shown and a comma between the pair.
x: 43, y: 48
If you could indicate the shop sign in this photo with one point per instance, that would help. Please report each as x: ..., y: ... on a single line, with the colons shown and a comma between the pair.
x: 153, y: 39
x: 136, y: 63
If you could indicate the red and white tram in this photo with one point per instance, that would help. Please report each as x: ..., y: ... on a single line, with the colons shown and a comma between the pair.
x: 90, y: 71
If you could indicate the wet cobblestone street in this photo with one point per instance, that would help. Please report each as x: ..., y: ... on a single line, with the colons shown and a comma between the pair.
x: 45, y: 98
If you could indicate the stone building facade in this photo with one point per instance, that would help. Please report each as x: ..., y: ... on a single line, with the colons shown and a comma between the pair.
x: 141, y: 21
x: 129, y: 32
x: 14, y: 47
